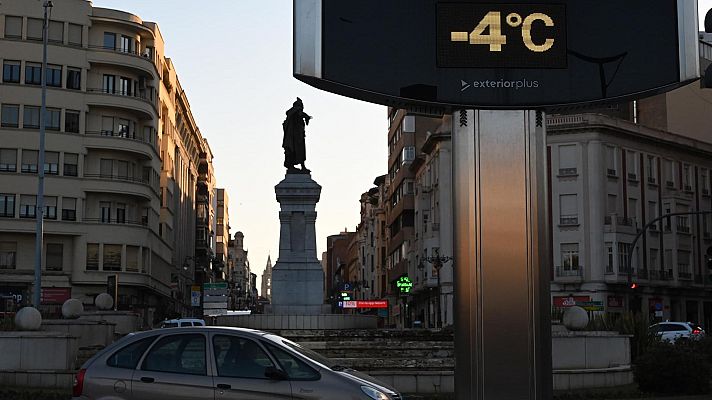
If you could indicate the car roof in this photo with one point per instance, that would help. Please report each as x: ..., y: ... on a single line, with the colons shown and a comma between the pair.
x: 184, y: 320
x: 202, y: 329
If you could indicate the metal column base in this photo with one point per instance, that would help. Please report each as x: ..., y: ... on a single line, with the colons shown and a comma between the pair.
x: 502, y: 306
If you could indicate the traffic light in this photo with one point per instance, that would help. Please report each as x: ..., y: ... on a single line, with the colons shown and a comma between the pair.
x: 708, y: 263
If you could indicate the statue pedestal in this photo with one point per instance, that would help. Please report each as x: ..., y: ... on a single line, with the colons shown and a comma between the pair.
x: 297, y: 277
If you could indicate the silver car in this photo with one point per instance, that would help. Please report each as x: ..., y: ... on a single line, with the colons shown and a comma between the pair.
x: 219, y: 363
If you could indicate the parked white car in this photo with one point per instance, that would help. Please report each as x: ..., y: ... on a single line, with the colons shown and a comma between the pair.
x: 177, y: 323
x: 672, y: 331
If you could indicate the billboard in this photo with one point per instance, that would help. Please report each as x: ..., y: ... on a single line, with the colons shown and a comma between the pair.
x: 449, y: 54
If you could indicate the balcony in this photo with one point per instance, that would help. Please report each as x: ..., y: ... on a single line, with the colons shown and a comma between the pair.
x: 705, y: 192
x: 136, y: 102
x: 684, y: 275
x: 568, y: 172
x: 122, y: 141
x: 652, y: 181
x: 436, y: 226
x: 632, y: 177
x: 612, y: 173
x: 143, y: 222
x: 568, y: 220
x: 135, y: 59
x: 574, y: 273
x: 139, y: 187
x: 670, y: 185
x: 659, y: 275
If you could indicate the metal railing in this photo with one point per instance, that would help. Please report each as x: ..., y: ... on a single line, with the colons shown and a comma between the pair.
x: 568, y: 220
x: 142, y: 222
x: 569, y: 272
x: 124, y: 135
x: 568, y: 172
x: 134, y: 51
x: 116, y: 177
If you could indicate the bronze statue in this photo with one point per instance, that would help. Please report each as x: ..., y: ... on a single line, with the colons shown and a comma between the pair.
x: 293, y: 142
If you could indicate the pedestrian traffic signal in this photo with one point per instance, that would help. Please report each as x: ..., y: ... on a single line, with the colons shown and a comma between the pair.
x: 633, y: 285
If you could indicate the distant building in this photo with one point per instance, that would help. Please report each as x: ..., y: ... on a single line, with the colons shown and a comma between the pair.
x: 267, y: 280
x: 222, y: 234
x: 239, y: 272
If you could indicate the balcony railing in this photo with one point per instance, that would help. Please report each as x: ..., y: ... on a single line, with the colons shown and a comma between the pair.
x: 568, y: 220
x: 113, y: 221
x: 124, y: 135
x: 569, y: 272
x: 116, y: 177
x: 134, y: 52
x: 622, y: 271
x: 612, y: 173
x: 632, y: 177
x: 652, y: 180
x: 670, y: 184
x: 684, y: 275
x: 659, y: 275
x: 141, y: 95
x: 643, y: 274
x: 568, y: 172
x: 436, y: 226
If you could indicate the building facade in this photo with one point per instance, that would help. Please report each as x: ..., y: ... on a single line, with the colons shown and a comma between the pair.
x: 266, y: 289
x: 122, y: 160
x: 239, y: 272
x: 222, y: 234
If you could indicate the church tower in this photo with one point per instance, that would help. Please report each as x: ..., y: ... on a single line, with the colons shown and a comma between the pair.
x: 267, y: 280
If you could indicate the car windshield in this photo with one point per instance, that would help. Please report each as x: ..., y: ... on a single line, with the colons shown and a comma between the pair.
x: 308, y: 353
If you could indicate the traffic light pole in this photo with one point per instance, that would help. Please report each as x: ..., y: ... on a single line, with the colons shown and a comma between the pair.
x: 639, y: 235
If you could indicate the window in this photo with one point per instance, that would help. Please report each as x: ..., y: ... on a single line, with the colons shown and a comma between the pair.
x: 237, y: 357
x: 409, y: 124
x: 609, y: 260
x: 10, y: 116
x: 132, y: 258
x: 704, y: 180
x: 54, y: 257
x: 612, y: 205
x: 52, y: 119
x: 124, y: 86
x: 570, y: 256
x: 611, y: 161
x: 71, y: 121
x: 653, y: 213
x: 50, y: 210
x: 654, y: 266
x: 107, y: 126
x: 29, y: 161
x: 123, y: 169
x: 109, y: 40
x: 56, y: 32
x: 652, y: 169
x: 75, y: 34
x: 568, y: 163
x: 28, y: 205
x: 8, y: 254
x: 109, y: 84
x: 69, y: 209
x: 568, y: 209
x: 7, y: 205
x: 623, y: 251
x: 112, y: 257
x: 33, y: 73
x: 126, y: 44
x: 632, y: 164
x: 123, y: 128
x: 74, y: 78
x: 408, y: 154
x: 295, y: 368
x: 121, y: 213
x: 687, y: 177
x: 11, y: 71
x: 13, y: 27
x: 107, y: 168
x: 105, y: 212
x: 129, y: 356
x: 70, y: 164
x: 34, y: 28
x: 31, y: 117
x: 54, y: 75
x: 92, y: 257
x: 8, y: 160
x: 51, y: 165
x: 669, y: 170
x: 178, y: 354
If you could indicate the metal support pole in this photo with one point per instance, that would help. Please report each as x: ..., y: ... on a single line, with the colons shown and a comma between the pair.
x: 39, y: 212
x: 502, y: 304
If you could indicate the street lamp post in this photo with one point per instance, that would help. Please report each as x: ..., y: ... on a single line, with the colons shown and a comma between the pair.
x: 438, y: 262
x: 39, y: 210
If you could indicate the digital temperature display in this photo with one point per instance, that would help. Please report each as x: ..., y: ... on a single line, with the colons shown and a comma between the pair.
x: 477, y: 35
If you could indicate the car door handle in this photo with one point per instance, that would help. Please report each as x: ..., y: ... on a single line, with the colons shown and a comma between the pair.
x: 147, y: 379
x: 224, y: 386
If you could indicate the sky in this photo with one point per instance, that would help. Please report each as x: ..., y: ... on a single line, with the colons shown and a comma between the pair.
x: 234, y: 60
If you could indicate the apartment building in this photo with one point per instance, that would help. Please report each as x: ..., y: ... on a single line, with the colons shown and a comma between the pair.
x: 239, y: 272
x: 122, y: 159
x: 222, y: 233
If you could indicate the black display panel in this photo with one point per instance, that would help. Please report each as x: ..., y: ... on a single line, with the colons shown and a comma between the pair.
x: 486, y: 35
x: 401, y: 53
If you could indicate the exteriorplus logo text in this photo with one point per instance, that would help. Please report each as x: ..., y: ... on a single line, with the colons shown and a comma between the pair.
x: 500, y: 84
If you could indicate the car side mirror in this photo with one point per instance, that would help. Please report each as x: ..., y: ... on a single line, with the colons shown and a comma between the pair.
x: 276, y: 374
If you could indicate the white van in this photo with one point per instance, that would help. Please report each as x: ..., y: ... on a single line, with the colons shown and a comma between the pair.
x: 176, y: 323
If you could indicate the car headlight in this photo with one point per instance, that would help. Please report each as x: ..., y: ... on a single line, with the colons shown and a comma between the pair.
x: 374, y: 393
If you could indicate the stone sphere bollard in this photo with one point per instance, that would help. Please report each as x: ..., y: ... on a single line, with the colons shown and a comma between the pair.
x: 575, y: 318
x: 104, y: 302
x: 72, y: 309
x: 28, y: 319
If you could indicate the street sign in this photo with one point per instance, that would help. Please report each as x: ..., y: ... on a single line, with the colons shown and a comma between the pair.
x: 443, y: 55
x: 195, y: 296
x: 378, y: 304
x: 215, y: 286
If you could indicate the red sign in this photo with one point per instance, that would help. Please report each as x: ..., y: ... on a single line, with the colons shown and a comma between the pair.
x: 569, y: 301
x: 615, y: 301
x: 366, y: 304
x: 55, y: 295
